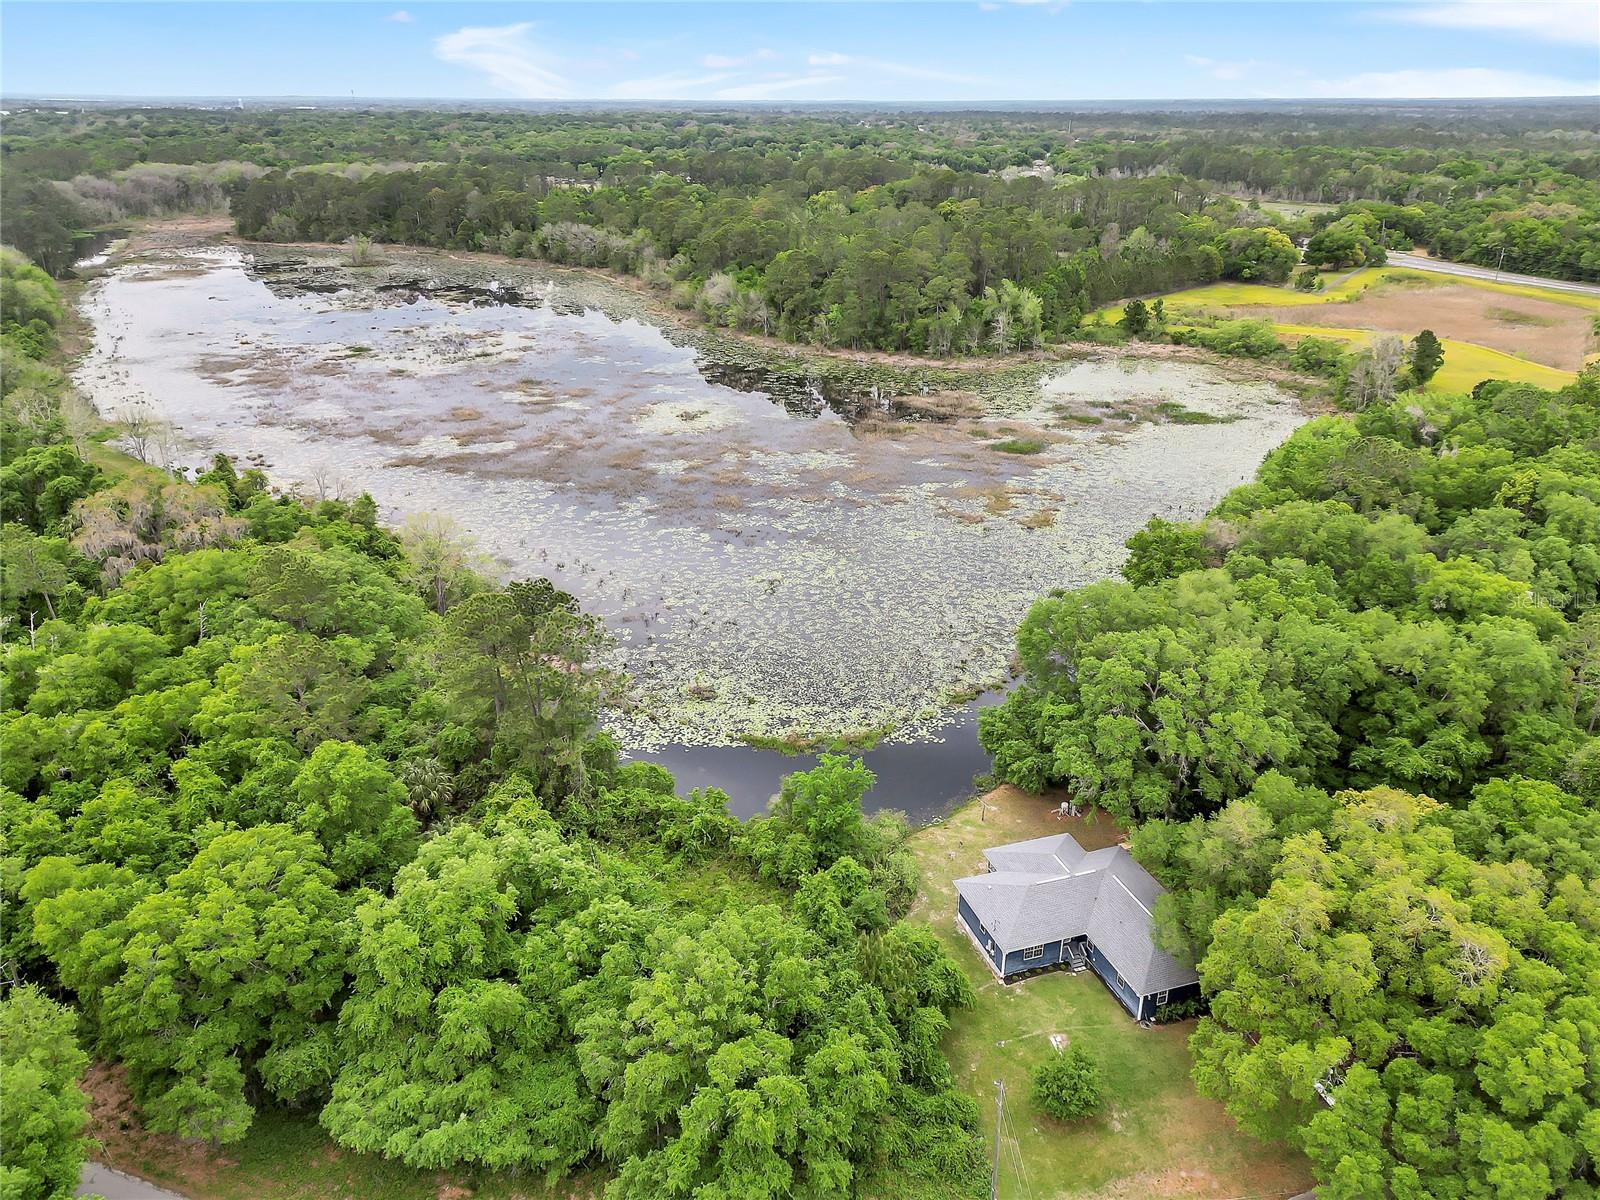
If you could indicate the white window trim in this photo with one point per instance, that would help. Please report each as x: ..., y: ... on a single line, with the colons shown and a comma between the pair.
x: 1033, y: 953
x: 1161, y: 998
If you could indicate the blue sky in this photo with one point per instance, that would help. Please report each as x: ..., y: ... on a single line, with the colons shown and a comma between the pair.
x: 774, y: 51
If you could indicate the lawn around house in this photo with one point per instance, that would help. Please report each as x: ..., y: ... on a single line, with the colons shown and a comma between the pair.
x: 1157, y: 1137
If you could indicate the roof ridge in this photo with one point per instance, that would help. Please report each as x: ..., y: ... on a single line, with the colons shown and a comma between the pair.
x: 1131, y: 896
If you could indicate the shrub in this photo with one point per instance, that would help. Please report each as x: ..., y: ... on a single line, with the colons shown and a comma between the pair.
x: 1068, y: 1085
x: 1246, y: 339
x: 1319, y: 356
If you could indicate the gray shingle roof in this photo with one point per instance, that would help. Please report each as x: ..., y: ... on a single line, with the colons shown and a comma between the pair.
x: 1050, y: 888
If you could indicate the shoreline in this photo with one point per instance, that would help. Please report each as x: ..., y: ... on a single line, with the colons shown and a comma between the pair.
x: 990, y: 493
x: 220, y: 230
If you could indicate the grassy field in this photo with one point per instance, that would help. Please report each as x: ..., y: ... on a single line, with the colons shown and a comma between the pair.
x: 1289, y: 208
x: 1465, y: 365
x: 1157, y: 1137
x: 1346, y: 287
x: 1377, y: 294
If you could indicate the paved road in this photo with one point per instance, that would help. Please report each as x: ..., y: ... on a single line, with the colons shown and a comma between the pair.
x: 1421, y: 263
x: 100, y: 1180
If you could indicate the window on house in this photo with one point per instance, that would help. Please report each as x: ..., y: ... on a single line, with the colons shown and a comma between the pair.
x: 1032, y: 952
x: 1161, y: 998
x: 1121, y: 982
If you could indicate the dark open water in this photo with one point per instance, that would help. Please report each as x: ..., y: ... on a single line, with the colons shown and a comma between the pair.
x: 924, y: 780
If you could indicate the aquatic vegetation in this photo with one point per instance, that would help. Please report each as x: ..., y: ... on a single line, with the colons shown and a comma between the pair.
x: 787, y: 548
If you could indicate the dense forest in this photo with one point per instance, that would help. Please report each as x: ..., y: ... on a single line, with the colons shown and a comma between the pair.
x: 282, y: 790
x: 1352, y: 715
x: 942, y: 233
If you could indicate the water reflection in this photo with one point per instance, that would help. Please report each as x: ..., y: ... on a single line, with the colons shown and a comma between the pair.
x: 924, y: 780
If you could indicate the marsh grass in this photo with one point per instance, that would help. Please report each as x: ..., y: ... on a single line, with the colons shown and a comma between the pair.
x: 1019, y: 445
x: 1174, y: 412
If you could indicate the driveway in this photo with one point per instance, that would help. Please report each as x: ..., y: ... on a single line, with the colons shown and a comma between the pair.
x: 1421, y: 262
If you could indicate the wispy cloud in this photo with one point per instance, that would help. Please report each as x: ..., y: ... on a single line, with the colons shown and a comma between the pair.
x: 729, y: 62
x: 507, y: 57
x: 1551, y: 20
x: 402, y: 16
x: 675, y: 85
x: 768, y: 89
x: 882, y: 67
x: 1450, y: 82
x: 997, y: 5
x: 1223, y: 70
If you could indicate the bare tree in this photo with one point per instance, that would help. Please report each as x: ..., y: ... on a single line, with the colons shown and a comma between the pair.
x: 141, y: 426
x: 1375, y: 374
x: 326, y: 481
x: 443, y: 557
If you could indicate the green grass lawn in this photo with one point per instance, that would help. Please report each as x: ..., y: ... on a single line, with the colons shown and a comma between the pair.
x: 1157, y: 1137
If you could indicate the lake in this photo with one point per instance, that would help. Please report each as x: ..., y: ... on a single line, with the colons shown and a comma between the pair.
x: 783, y: 547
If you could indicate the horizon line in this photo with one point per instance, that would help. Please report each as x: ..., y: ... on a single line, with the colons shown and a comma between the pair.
x: 612, y: 101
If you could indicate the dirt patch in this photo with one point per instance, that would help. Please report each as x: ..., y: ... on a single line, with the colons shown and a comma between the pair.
x: 126, y: 1145
x: 1541, y: 331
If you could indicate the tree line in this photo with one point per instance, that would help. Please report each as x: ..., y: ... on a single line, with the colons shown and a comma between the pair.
x: 1479, y: 189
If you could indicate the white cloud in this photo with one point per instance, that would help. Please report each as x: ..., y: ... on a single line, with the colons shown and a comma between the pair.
x: 1451, y: 82
x: 767, y: 89
x: 829, y: 60
x: 673, y: 86
x: 507, y: 57
x: 728, y: 62
x: 1552, y: 20
x: 402, y: 16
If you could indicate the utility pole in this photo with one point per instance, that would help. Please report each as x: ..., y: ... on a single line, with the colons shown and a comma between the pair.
x: 1501, y: 263
x: 999, y: 1116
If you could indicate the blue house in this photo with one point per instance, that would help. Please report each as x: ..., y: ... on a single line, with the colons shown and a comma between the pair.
x: 1049, y: 902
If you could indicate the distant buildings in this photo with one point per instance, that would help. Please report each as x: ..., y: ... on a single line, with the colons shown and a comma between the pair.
x: 1049, y: 902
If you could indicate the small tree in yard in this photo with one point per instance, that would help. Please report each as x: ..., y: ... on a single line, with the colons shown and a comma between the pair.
x: 1427, y: 356
x: 1069, y: 1085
